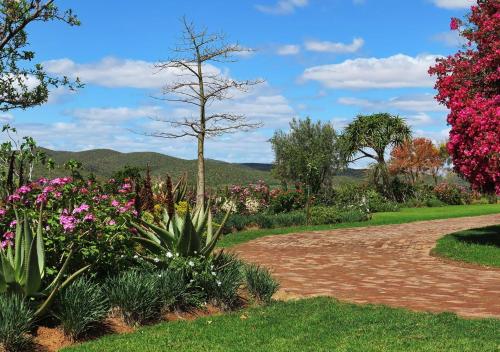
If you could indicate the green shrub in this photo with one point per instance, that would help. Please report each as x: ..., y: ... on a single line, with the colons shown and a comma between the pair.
x: 434, y: 202
x: 16, y: 319
x: 287, y: 201
x: 452, y: 194
x: 377, y: 203
x: 135, y: 293
x: 81, y: 306
x: 332, y: 215
x: 221, y: 281
x: 260, y: 283
x: 175, y: 290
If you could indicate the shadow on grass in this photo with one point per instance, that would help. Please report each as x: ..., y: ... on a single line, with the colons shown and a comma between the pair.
x: 488, y: 236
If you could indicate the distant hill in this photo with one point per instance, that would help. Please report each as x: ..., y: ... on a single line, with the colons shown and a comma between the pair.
x: 103, y: 163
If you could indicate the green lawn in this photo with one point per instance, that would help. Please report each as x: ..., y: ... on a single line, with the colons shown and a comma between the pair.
x: 320, y: 324
x: 479, y: 246
x: 403, y: 216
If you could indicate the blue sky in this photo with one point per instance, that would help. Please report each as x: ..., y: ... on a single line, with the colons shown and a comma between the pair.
x: 327, y: 59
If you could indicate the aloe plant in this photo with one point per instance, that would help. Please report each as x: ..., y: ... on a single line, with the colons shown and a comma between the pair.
x: 190, y: 236
x: 22, y: 268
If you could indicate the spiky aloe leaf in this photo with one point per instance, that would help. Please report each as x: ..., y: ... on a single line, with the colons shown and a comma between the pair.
x: 3, y: 283
x: 149, y: 245
x: 189, y: 240
x: 209, y: 229
x: 145, y: 233
x: 210, y: 246
x: 19, y: 248
x: 40, y: 246
x: 166, y: 238
x: 8, y: 272
x: 56, y: 289
x: 59, y: 275
x: 32, y: 276
x: 202, y: 219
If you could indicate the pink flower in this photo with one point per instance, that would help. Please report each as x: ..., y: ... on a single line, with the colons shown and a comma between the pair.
x: 24, y: 189
x: 42, y: 181
x: 13, y: 223
x: 14, y: 197
x: 57, y: 195
x: 3, y: 211
x: 68, y: 222
x: 48, y: 189
x: 84, y: 191
x: 115, y: 203
x: 88, y: 218
x: 83, y: 207
x: 41, y: 198
x: 111, y: 222
x: 454, y: 24
x: 8, y: 235
x: 5, y: 243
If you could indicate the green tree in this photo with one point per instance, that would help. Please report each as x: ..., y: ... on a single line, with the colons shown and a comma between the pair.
x: 371, y: 136
x: 22, y: 84
x: 309, y: 153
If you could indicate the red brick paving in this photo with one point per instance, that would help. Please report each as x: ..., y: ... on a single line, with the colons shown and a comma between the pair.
x: 387, y: 264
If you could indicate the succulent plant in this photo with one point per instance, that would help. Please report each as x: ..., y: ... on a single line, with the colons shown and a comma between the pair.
x: 22, y: 268
x: 189, y: 236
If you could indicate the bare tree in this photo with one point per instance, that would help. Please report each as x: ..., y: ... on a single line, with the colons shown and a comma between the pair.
x: 200, y: 85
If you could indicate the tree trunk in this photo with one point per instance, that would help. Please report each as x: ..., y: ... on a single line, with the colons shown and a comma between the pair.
x: 200, y: 186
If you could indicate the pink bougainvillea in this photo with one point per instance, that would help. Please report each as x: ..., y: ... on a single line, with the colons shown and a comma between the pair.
x: 468, y: 83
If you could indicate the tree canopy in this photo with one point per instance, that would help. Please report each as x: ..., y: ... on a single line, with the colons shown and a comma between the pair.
x: 309, y: 153
x: 22, y: 84
x: 468, y: 84
x: 371, y: 136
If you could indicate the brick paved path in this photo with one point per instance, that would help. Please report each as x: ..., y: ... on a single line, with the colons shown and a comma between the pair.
x: 387, y: 264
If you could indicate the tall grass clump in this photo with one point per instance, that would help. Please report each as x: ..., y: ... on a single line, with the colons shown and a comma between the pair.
x: 135, y: 294
x: 81, y: 306
x: 16, y: 319
x: 260, y: 283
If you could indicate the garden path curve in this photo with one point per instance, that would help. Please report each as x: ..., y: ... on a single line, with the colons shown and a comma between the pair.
x: 388, y: 264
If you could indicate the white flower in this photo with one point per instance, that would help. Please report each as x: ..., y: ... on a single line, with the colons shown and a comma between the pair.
x: 156, y: 260
x: 169, y: 255
x: 195, y: 252
x: 159, y: 275
x: 252, y: 205
x: 191, y: 264
x: 218, y: 283
x: 211, y: 267
x: 191, y: 281
x: 214, y: 273
x: 229, y: 205
x: 136, y: 256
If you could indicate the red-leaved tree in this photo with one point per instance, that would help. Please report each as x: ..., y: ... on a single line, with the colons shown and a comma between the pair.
x: 468, y: 83
x: 416, y: 158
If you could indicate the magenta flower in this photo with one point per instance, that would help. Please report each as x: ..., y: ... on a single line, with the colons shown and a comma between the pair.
x: 3, y: 211
x: 13, y: 223
x: 83, y: 207
x: 88, y: 218
x: 41, y: 198
x: 68, y: 222
x: 24, y: 189
x: 14, y: 197
x: 115, y: 203
x: 8, y: 235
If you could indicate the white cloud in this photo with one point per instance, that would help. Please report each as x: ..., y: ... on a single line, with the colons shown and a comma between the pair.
x: 6, y: 117
x: 282, y: 7
x: 114, y: 73
x: 454, y: 4
x: 117, y: 114
x: 396, y: 71
x: 419, y: 119
x: 331, y: 47
x: 418, y: 103
x: 290, y: 49
x: 450, y: 38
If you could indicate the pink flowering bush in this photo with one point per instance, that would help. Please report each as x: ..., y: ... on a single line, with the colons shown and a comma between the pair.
x: 452, y: 194
x: 89, y: 217
x: 249, y: 199
x: 468, y: 84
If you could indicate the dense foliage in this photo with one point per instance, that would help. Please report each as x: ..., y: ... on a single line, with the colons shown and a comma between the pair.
x: 468, y: 85
x: 371, y: 136
x: 309, y: 153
